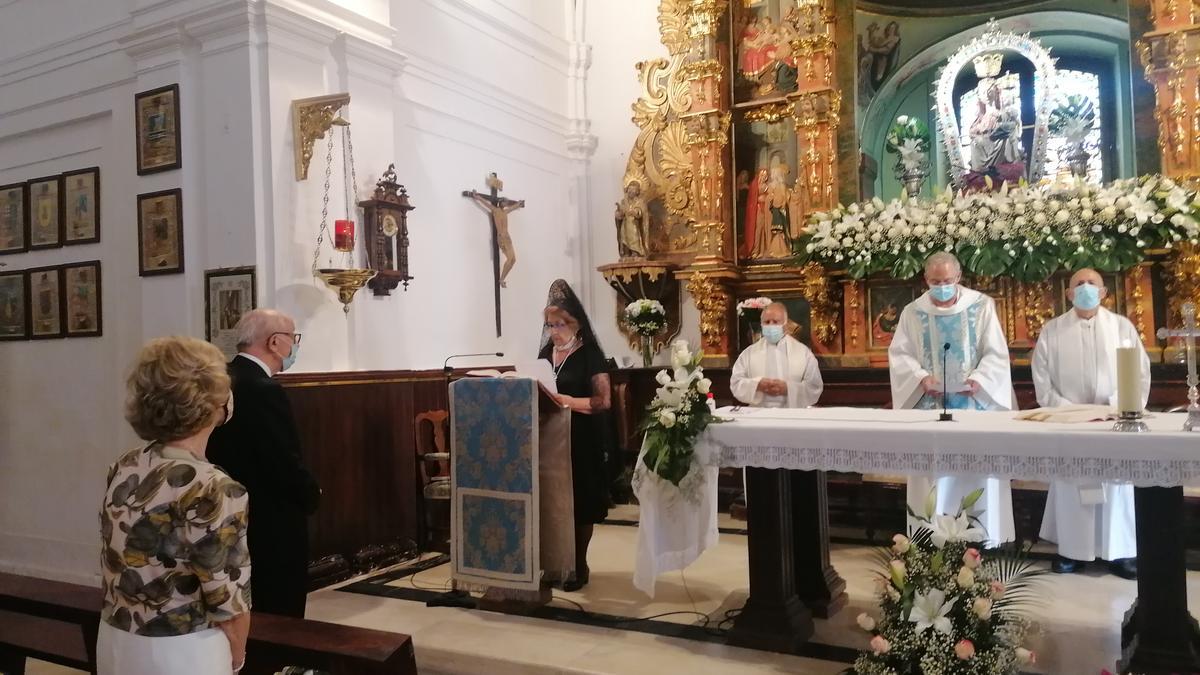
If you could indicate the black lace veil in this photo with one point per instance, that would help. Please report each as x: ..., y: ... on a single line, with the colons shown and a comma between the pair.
x: 562, y: 297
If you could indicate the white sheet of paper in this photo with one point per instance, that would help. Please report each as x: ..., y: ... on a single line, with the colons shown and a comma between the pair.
x: 541, y: 371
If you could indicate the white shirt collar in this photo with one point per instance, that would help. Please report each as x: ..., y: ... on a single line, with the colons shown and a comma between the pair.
x: 255, y: 359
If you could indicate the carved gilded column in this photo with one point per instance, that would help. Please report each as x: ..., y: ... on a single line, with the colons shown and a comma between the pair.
x: 816, y: 115
x: 712, y: 293
x: 1170, y: 54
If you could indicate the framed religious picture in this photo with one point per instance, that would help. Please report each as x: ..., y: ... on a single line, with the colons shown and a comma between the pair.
x: 884, y: 304
x: 81, y: 206
x: 768, y: 212
x: 160, y: 232
x: 45, y: 212
x: 14, y: 306
x: 157, y: 117
x: 45, y: 303
x: 228, y: 294
x: 81, y: 290
x: 14, y: 219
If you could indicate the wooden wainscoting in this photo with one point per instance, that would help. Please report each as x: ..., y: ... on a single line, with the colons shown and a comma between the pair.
x: 358, y: 439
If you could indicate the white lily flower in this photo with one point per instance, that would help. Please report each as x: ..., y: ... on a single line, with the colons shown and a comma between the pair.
x: 930, y: 610
x: 666, y: 418
x: 949, y: 528
x: 662, y: 377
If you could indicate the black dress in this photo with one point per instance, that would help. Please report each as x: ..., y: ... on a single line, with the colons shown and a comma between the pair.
x: 591, y: 435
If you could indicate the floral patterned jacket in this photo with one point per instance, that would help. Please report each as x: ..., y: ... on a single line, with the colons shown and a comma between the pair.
x: 173, y: 542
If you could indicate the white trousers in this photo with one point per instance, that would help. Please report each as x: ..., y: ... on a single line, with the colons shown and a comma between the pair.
x: 120, y: 652
x: 995, y: 504
x: 1089, y: 531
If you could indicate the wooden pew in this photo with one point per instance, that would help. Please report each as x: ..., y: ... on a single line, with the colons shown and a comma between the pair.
x: 57, y: 622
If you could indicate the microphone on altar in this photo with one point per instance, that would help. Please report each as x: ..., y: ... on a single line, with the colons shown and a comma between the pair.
x: 446, y: 364
x: 945, y: 416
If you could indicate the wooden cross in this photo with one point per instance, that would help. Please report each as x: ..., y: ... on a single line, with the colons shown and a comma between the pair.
x: 1189, y: 333
x: 498, y: 209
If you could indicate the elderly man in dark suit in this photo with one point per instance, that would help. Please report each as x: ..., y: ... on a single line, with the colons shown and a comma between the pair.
x: 260, y: 448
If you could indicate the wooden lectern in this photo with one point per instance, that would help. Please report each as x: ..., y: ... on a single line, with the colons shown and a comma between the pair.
x: 512, y: 506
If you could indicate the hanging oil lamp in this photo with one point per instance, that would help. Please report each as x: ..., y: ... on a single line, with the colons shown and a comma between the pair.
x: 347, y: 278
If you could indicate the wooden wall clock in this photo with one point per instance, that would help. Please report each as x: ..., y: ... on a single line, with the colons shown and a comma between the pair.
x: 385, y: 217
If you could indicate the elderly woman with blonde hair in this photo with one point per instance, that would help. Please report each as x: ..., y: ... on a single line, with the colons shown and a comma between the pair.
x: 176, y: 571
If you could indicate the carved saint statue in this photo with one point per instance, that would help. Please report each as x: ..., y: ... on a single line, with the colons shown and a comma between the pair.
x: 996, y: 135
x: 633, y: 223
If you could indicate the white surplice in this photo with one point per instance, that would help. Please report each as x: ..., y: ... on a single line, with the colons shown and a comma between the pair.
x: 790, y: 360
x: 979, y: 352
x: 1075, y: 362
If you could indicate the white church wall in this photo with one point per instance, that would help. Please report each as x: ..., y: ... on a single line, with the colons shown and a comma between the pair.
x: 621, y: 32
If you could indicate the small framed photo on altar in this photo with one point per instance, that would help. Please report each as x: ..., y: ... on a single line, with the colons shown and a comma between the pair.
x: 81, y: 206
x: 14, y: 219
x: 45, y: 212
x: 228, y: 294
x: 14, y: 306
x: 81, y: 289
x: 157, y: 116
x: 160, y: 233
x: 45, y: 303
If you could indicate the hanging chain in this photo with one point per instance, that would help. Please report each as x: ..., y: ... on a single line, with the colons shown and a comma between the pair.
x: 324, y: 207
x: 352, y: 186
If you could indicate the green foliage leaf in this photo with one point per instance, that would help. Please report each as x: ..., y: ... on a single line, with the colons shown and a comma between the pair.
x: 969, y: 501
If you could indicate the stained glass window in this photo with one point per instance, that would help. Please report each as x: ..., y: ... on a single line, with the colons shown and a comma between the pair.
x: 1077, y: 83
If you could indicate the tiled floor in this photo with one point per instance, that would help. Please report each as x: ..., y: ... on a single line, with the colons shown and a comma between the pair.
x: 1077, y: 631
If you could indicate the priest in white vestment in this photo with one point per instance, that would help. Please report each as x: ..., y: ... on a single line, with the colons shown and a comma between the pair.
x: 1075, y: 363
x: 777, y: 371
x: 976, y: 377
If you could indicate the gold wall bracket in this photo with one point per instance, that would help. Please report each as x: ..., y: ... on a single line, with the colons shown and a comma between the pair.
x: 311, y: 118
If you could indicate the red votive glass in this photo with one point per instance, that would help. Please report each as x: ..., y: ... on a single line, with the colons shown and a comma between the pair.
x: 343, y: 235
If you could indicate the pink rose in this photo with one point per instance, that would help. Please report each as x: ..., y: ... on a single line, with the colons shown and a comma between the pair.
x: 972, y: 558
x: 997, y: 590
x: 880, y: 645
x: 964, y: 650
x: 900, y: 544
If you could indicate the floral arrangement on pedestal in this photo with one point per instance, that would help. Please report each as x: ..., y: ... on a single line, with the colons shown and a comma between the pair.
x: 647, y: 318
x: 1027, y: 233
x: 945, y: 608
x: 677, y: 415
x: 751, y: 310
x: 908, y: 138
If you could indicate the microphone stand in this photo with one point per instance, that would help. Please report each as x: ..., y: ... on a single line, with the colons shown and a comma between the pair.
x: 945, y: 416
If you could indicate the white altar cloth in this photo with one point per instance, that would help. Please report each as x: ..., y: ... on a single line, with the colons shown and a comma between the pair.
x: 674, y: 532
x: 976, y: 443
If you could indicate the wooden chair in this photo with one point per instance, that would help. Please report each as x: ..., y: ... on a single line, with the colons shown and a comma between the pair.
x: 433, y: 459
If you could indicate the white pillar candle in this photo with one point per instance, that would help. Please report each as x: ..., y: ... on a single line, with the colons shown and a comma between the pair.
x: 1129, y: 380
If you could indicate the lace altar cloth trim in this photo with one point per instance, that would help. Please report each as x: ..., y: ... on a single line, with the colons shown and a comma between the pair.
x: 888, y: 441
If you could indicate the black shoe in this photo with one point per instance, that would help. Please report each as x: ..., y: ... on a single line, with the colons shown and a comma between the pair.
x: 1126, y: 568
x: 579, y: 581
x: 1063, y: 565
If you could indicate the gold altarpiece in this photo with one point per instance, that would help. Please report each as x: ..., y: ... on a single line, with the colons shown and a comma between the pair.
x: 747, y: 127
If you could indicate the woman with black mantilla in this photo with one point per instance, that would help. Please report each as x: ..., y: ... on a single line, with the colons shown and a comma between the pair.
x: 570, y: 346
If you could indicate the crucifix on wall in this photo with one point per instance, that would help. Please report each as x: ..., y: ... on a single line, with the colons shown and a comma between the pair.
x: 498, y: 209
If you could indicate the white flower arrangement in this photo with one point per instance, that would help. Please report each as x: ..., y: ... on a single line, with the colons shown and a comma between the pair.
x: 943, y: 607
x: 646, y: 317
x: 1023, y: 232
x: 677, y: 415
x: 754, y: 305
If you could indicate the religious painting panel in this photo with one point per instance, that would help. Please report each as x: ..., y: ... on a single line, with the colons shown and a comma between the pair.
x: 81, y: 206
x: 228, y: 294
x: 81, y: 287
x: 14, y: 219
x: 14, y: 306
x: 767, y: 212
x: 45, y: 212
x: 885, y: 301
x: 157, y: 133
x: 877, y: 57
x: 767, y: 40
x: 160, y: 233
x: 46, y: 305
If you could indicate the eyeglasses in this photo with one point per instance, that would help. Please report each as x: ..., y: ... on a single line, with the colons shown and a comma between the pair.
x: 559, y: 325
x: 295, y: 336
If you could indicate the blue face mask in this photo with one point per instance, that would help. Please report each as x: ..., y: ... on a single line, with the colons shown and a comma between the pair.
x: 1086, y: 297
x: 943, y: 292
x: 290, y: 359
x: 773, y: 333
